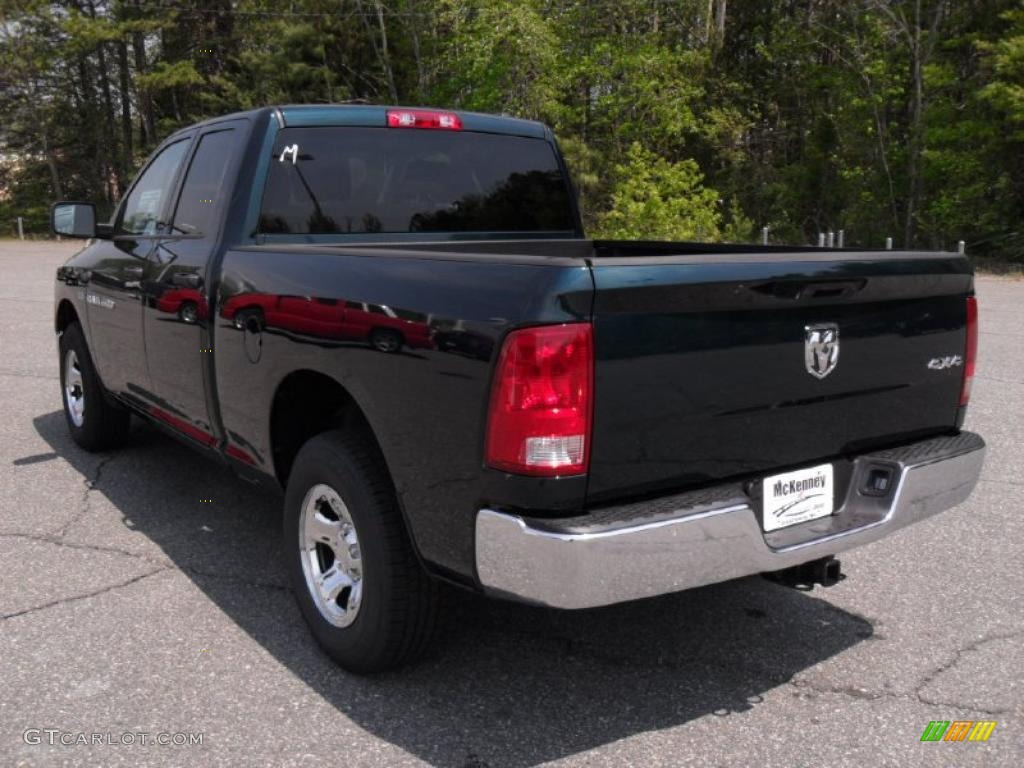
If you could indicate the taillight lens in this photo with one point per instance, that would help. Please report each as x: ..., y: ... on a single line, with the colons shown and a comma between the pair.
x: 420, y: 118
x: 541, y: 401
x: 971, y: 351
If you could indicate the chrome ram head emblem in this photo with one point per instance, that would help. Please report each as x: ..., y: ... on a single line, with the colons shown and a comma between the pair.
x: 821, y: 349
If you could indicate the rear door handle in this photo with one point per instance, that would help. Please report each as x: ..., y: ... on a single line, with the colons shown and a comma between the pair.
x: 186, y: 279
x: 133, y: 271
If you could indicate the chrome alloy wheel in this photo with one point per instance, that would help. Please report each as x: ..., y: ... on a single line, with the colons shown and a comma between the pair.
x: 331, y: 560
x: 74, y: 394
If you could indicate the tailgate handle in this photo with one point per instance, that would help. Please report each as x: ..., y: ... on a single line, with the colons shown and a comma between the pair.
x: 804, y: 289
x: 830, y: 290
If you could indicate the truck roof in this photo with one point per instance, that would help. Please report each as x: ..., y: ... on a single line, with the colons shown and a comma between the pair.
x: 304, y: 115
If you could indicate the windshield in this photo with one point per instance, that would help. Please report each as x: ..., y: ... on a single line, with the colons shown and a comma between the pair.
x: 342, y: 180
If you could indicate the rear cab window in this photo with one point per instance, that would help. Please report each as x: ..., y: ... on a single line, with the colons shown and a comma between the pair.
x: 199, y: 202
x: 365, y: 180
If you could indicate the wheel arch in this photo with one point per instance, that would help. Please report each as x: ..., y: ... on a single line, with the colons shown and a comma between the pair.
x: 69, y: 313
x: 66, y: 315
x: 305, y: 403
x: 308, y: 402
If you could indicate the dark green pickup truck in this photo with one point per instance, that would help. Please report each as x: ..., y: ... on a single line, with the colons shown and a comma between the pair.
x: 392, y: 314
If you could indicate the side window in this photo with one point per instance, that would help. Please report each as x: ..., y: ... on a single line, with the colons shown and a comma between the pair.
x: 144, y: 204
x: 203, y: 189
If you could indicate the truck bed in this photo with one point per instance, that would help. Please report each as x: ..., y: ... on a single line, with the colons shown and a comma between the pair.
x: 700, y: 369
x: 700, y: 372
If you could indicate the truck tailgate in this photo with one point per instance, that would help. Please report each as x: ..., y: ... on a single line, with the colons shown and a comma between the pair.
x: 702, y: 369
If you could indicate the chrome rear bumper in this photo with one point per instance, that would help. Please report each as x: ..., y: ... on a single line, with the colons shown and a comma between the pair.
x: 675, y: 543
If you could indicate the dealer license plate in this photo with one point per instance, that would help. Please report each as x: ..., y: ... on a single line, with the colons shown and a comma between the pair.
x: 796, y: 497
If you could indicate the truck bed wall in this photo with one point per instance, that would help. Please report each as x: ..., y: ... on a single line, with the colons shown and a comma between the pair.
x: 425, y: 403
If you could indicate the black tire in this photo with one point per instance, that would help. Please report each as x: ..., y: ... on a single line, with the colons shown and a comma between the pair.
x: 103, y: 424
x: 243, y: 315
x: 397, y: 612
x: 188, y: 312
x: 386, y: 340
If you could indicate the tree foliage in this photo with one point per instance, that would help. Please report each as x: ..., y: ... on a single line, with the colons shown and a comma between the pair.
x: 679, y: 118
x: 659, y: 200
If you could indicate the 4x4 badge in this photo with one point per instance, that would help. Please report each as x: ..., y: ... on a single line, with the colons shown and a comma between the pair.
x: 821, y: 349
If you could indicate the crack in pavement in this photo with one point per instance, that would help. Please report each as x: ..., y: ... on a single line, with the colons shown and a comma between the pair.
x: 22, y: 375
x: 852, y: 691
x: 958, y: 654
x: 864, y: 694
x: 90, y: 485
x: 59, y: 538
x: 161, y: 564
x: 915, y: 693
x: 74, y: 598
x: 60, y: 542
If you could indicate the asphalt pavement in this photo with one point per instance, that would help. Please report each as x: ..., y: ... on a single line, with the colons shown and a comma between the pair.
x: 131, y: 610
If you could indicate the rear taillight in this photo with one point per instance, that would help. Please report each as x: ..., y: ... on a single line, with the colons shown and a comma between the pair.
x: 971, y: 349
x: 541, y: 401
x: 420, y: 118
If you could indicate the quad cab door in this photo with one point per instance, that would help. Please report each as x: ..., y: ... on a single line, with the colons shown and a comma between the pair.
x: 176, y: 313
x: 113, y: 292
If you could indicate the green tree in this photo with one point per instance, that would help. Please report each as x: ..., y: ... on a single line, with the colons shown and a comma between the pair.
x: 900, y: 118
x: 501, y: 57
x: 655, y: 199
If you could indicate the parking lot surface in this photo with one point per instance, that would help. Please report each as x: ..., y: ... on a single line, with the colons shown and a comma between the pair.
x: 129, y: 606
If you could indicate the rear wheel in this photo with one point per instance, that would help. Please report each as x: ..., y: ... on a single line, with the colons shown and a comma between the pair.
x: 356, y: 578
x: 251, y: 317
x: 94, y: 422
x: 188, y: 312
x: 384, y: 340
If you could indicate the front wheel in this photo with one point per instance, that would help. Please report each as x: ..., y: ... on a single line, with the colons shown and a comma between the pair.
x: 358, y: 583
x: 94, y: 422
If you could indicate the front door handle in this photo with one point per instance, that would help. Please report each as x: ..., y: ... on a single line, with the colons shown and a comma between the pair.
x: 133, y: 272
x: 186, y: 279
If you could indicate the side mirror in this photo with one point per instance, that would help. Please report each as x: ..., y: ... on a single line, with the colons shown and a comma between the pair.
x: 73, y: 219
